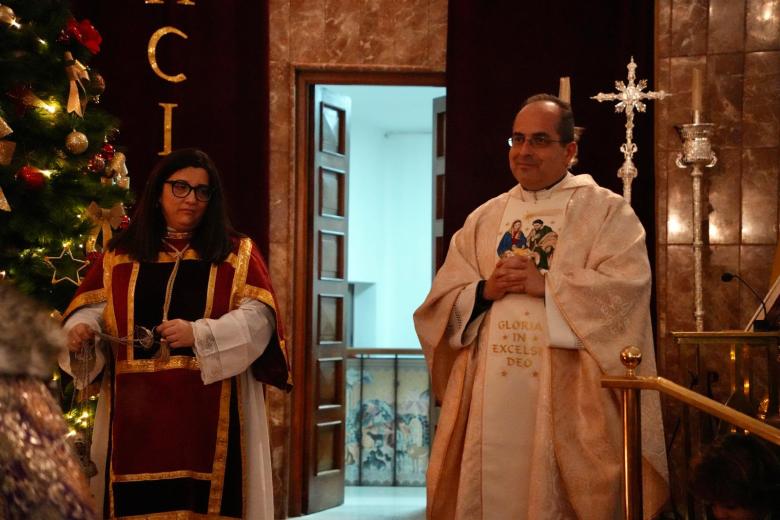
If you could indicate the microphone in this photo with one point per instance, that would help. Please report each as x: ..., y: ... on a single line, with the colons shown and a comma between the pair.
x: 758, y: 325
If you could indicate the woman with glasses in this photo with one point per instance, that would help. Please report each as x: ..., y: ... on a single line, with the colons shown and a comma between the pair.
x: 193, y: 331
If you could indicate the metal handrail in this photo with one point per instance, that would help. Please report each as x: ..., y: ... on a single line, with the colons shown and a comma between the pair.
x: 691, y: 398
x: 630, y: 386
x: 383, y: 351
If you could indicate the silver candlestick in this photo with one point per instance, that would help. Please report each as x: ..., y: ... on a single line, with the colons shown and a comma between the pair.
x: 697, y: 153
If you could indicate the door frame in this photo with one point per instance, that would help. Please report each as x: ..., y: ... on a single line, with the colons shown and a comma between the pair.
x: 305, y: 78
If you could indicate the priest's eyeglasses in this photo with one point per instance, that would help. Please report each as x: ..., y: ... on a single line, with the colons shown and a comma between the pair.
x: 535, y: 140
x: 181, y: 189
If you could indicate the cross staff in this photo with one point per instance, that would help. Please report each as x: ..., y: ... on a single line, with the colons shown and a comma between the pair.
x: 629, y: 97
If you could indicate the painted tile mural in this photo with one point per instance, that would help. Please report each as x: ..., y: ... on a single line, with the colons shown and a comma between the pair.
x: 387, y: 444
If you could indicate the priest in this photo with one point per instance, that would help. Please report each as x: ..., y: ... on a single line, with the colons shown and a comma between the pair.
x: 517, y: 344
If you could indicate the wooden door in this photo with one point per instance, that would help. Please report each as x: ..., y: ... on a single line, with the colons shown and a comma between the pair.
x: 439, y: 143
x: 326, y: 341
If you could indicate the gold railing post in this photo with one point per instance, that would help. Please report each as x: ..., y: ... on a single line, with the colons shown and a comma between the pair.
x: 632, y: 438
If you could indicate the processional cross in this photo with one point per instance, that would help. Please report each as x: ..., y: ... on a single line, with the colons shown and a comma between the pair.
x: 629, y: 97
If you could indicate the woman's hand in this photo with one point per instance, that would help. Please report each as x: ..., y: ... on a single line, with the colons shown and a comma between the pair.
x: 78, y: 335
x: 177, y: 333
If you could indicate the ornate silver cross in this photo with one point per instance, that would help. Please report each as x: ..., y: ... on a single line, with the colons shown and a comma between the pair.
x: 629, y: 97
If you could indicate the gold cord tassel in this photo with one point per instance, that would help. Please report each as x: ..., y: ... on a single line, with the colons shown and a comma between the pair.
x: 165, y: 350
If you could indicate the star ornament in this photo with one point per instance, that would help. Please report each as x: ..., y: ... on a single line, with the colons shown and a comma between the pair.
x: 68, y: 264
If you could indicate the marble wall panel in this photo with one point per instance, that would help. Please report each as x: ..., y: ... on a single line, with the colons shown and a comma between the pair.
x: 279, y: 30
x: 661, y: 288
x: 375, y: 44
x: 756, y: 268
x: 723, y: 106
x: 726, y: 30
x: 663, y: 131
x: 721, y: 305
x: 663, y: 23
x: 679, y: 225
x: 761, y: 117
x: 662, y: 202
x: 279, y: 159
x: 679, y: 295
x: 721, y: 193
x: 279, y: 106
x: 759, y: 195
x: 282, y: 276
x: 307, y: 31
x: 763, y: 25
x: 342, y: 29
x: 688, y: 19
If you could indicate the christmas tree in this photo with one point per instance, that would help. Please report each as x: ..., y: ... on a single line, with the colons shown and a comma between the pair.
x: 62, y: 183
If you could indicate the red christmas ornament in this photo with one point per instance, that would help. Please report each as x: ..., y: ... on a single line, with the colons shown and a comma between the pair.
x: 97, y: 164
x: 93, y: 257
x: 107, y: 151
x: 85, y: 33
x: 124, y: 223
x: 31, y: 176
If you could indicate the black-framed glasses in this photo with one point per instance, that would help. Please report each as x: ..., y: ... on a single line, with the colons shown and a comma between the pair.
x: 181, y: 189
x: 535, y: 140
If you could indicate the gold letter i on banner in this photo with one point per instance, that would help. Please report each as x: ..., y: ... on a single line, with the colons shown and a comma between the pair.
x: 167, y: 127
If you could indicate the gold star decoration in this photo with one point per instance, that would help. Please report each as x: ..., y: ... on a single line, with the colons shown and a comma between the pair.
x: 66, y: 262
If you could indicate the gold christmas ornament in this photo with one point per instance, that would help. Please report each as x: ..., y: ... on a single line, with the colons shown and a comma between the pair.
x: 8, y: 16
x: 4, y: 202
x: 117, y: 169
x: 4, y: 128
x: 76, y: 142
x: 6, y: 152
x: 76, y: 72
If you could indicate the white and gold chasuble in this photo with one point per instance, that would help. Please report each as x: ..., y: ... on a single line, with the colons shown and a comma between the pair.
x: 517, y: 446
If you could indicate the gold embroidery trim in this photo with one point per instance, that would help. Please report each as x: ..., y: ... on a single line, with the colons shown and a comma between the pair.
x: 109, y: 317
x: 86, y: 298
x: 232, y: 259
x: 210, y: 291
x: 155, y: 365
x: 220, y: 450
x: 137, y: 477
x: 242, y: 267
x: 257, y: 293
x: 179, y: 515
x: 131, y: 310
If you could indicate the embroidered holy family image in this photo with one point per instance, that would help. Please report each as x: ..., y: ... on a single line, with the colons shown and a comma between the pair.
x: 537, y: 240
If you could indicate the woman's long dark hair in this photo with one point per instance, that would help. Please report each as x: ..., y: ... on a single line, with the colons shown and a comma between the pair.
x: 143, y: 237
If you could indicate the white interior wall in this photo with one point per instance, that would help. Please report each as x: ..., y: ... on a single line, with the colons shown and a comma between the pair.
x: 389, y: 208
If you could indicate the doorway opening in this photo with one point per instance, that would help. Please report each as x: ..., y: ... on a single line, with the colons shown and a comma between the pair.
x: 366, y: 166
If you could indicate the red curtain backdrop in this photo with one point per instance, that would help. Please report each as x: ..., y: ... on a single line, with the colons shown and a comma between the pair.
x: 222, y: 105
x: 502, y: 51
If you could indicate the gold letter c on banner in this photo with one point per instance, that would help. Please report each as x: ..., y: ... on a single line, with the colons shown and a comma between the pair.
x: 151, y: 52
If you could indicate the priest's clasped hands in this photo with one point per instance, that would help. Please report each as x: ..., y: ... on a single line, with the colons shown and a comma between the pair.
x: 515, y: 274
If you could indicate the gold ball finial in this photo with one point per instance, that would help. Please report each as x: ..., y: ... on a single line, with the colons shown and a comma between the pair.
x: 631, y: 357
